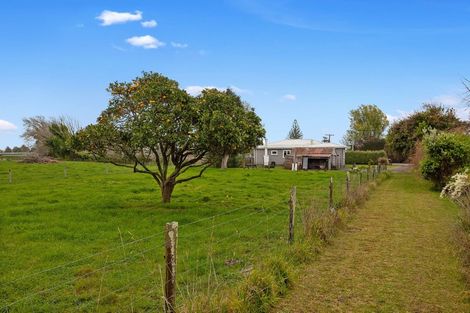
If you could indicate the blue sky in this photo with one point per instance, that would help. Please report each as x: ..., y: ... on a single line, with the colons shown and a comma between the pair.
x: 307, y: 60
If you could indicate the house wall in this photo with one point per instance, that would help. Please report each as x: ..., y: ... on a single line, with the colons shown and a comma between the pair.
x: 279, y: 159
x: 340, y: 158
x: 337, y: 162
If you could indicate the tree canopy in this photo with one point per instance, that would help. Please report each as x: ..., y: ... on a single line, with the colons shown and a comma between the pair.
x: 155, y: 128
x: 295, y: 132
x: 405, y: 133
x: 366, y: 124
x: 232, y: 126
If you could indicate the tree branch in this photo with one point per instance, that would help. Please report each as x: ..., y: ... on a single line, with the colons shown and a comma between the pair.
x: 193, y: 177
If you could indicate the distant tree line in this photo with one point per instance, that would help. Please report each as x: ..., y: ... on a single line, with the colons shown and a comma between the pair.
x: 16, y: 149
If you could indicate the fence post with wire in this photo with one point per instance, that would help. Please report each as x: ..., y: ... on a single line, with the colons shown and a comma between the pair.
x: 331, y: 204
x: 292, y: 203
x: 171, y: 240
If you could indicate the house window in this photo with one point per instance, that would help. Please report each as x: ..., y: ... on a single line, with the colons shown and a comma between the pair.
x: 285, y: 152
x: 273, y: 152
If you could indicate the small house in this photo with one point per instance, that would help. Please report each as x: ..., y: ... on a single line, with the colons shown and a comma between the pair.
x: 306, y: 154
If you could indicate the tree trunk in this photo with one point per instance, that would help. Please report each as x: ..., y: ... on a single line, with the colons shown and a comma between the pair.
x: 224, y: 162
x: 167, y: 190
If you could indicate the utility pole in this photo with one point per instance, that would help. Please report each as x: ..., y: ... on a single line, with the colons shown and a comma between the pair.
x: 327, y: 136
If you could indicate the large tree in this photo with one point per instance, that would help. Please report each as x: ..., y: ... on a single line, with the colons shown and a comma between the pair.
x: 51, y: 136
x: 232, y: 126
x: 405, y: 133
x: 366, y: 124
x: 295, y: 132
x: 155, y: 128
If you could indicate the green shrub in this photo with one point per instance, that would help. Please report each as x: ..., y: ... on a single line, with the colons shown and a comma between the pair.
x: 364, y: 157
x: 445, y: 154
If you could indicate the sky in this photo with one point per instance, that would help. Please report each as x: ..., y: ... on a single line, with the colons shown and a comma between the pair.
x: 312, y: 60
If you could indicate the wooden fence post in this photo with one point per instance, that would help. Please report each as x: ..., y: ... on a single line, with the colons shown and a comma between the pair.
x: 331, y: 203
x: 65, y: 171
x: 360, y: 177
x: 10, y: 176
x: 348, y: 182
x: 292, y: 203
x: 171, y: 241
x: 368, y: 172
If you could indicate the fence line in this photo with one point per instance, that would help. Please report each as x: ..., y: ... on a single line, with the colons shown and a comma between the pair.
x: 117, y: 247
x: 335, y: 189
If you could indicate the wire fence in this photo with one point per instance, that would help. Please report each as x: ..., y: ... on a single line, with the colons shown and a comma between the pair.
x: 213, y: 253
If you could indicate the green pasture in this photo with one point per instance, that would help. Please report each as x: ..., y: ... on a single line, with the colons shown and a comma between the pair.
x: 92, y: 240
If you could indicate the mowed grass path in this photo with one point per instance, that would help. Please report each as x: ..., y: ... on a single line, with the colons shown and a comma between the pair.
x: 396, y: 255
x: 47, y: 220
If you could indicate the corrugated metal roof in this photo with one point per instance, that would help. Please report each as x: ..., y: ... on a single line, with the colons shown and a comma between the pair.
x: 300, y: 143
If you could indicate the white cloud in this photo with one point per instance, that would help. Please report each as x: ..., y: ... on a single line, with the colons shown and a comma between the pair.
x: 288, y: 97
x: 455, y: 102
x: 196, y: 90
x: 111, y: 17
x: 7, y: 126
x: 146, y: 42
x: 240, y: 90
x: 179, y: 45
x: 447, y: 100
x: 399, y: 114
x: 149, y: 24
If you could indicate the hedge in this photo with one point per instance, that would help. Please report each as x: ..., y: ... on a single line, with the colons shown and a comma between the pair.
x: 364, y: 157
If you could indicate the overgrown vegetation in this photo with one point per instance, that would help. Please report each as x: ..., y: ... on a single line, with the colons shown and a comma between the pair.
x: 53, y: 137
x: 444, y: 155
x: 404, y: 134
x: 458, y: 190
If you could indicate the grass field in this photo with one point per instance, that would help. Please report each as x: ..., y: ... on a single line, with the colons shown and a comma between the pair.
x: 93, y: 240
